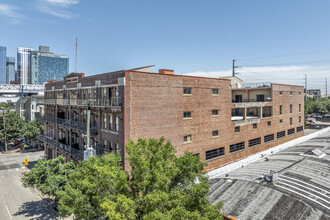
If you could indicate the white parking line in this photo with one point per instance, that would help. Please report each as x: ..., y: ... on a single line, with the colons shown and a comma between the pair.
x: 8, y: 212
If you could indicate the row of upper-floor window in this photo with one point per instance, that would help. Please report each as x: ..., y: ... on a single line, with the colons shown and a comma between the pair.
x: 105, y: 92
x: 219, y: 152
x: 215, y: 133
x: 187, y: 91
x: 110, y: 122
x: 290, y: 108
x: 289, y: 92
x: 187, y: 115
x: 110, y: 145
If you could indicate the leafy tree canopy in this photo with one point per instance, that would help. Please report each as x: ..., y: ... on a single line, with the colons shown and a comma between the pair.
x: 13, y: 124
x: 30, y: 130
x: 160, y: 185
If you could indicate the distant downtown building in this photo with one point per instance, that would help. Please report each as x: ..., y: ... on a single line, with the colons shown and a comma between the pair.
x: 10, y: 69
x: 23, y: 65
x: 3, y: 55
x: 38, y: 67
x: 220, y: 119
x: 46, y: 66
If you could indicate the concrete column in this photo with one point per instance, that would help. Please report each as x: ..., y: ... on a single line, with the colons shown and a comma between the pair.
x: 260, y: 112
x: 244, y: 113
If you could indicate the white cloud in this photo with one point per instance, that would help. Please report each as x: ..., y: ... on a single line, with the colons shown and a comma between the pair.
x: 9, y: 11
x: 283, y: 74
x: 58, y: 8
x: 63, y: 3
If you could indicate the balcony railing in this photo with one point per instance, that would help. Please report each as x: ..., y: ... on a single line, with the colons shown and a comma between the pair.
x: 268, y: 99
x: 114, y: 103
x: 67, y: 149
x: 81, y: 126
x: 78, y: 154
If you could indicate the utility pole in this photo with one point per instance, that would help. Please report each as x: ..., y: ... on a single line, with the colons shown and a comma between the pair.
x: 4, y: 128
x: 88, y: 127
x: 234, y: 67
x: 75, y: 69
x: 305, y: 87
x: 326, y: 89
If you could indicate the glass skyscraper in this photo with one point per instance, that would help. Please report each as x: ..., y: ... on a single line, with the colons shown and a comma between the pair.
x: 3, y: 55
x: 46, y: 66
x: 23, y: 65
x: 10, y: 69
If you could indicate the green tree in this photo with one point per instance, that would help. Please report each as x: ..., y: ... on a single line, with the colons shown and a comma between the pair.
x: 31, y: 129
x: 49, y: 176
x: 10, y: 123
x: 160, y: 185
x: 165, y: 186
x: 97, y: 188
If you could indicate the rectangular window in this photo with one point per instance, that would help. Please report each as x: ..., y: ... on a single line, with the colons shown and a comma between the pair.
x: 187, y: 139
x: 269, y: 123
x: 215, y: 91
x: 291, y: 108
x: 299, y: 129
x: 214, y: 153
x: 110, y: 145
x: 237, y: 129
x: 254, y: 126
x: 116, y: 146
x: 280, y: 134
x: 187, y: 90
x: 186, y: 114
x: 117, y: 124
x: 291, y: 131
x: 290, y: 121
x: 268, y: 138
x: 110, y: 122
x: 215, y: 133
x: 236, y: 147
x: 299, y: 107
x: 215, y: 112
x: 299, y: 93
x: 281, y: 109
x: 281, y: 121
x: 281, y: 93
x: 299, y: 119
x: 104, y: 121
x: 290, y: 92
x: 254, y: 142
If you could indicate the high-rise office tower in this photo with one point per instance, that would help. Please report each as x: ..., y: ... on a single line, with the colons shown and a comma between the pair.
x: 46, y: 66
x: 10, y: 69
x: 3, y: 54
x: 23, y: 65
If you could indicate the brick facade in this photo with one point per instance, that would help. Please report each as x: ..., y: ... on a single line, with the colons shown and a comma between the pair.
x: 153, y: 105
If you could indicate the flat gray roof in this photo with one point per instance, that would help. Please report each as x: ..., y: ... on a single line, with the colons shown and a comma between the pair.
x: 302, y: 192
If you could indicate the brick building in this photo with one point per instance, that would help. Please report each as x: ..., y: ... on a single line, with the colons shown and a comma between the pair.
x: 220, y: 120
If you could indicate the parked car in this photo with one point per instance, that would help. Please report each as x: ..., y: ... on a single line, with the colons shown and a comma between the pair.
x: 311, y: 119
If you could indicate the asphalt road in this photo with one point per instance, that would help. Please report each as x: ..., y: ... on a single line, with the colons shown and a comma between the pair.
x: 17, y: 202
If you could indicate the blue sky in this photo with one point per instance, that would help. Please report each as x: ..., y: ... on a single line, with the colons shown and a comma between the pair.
x: 277, y: 41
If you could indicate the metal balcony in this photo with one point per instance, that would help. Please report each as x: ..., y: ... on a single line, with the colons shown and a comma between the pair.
x: 81, y: 126
x: 63, y: 147
x: 77, y: 154
x: 114, y: 103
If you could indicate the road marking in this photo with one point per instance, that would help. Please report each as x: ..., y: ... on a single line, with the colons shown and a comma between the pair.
x: 9, y: 212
